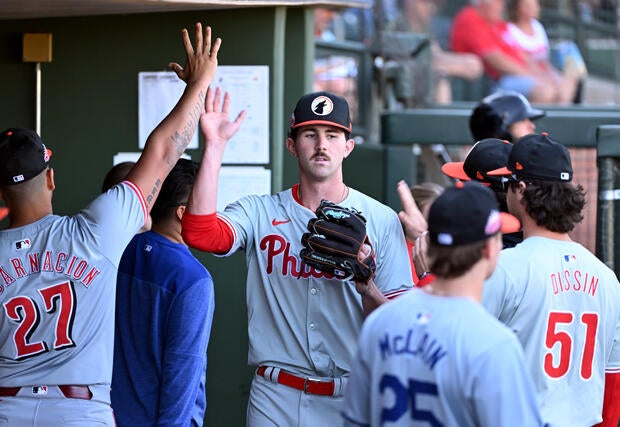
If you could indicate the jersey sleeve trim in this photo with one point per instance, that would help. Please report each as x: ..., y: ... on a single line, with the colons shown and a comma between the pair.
x: 138, y: 192
x: 396, y: 293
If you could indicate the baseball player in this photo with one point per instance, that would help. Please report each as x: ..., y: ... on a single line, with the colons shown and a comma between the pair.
x: 435, y: 357
x: 559, y: 299
x: 504, y: 115
x: 58, y: 273
x: 164, y: 311
x: 486, y: 155
x: 303, y: 323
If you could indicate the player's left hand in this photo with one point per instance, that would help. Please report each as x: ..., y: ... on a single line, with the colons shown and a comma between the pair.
x: 412, y: 220
x: 419, y: 254
x: 215, y: 123
x: 337, y: 243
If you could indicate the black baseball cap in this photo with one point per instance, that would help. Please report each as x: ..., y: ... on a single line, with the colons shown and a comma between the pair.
x: 486, y: 155
x: 537, y: 156
x: 22, y: 156
x: 467, y: 213
x: 322, y: 108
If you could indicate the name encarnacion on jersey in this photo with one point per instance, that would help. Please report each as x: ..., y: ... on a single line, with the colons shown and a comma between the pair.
x: 76, y: 268
x: 574, y: 280
x: 415, y: 344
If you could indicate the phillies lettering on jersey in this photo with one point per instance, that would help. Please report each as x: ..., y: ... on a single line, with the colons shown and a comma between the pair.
x: 279, y: 253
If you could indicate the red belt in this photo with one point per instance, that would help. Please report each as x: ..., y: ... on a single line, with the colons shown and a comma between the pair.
x: 307, y: 385
x: 69, y: 391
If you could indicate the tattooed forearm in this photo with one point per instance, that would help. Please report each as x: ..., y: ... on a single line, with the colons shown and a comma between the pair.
x: 181, y: 139
x: 151, y: 197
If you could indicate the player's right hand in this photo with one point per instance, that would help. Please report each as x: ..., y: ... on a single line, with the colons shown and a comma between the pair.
x: 201, y: 62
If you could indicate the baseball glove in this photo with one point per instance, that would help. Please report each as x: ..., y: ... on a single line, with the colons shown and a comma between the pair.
x: 336, y: 243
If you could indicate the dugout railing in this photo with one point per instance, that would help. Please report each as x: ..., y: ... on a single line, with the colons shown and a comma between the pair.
x: 608, y: 207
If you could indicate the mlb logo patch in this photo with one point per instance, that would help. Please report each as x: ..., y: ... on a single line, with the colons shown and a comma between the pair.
x: 570, y: 258
x: 423, y: 318
x: 22, y: 244
x: 39, y: 390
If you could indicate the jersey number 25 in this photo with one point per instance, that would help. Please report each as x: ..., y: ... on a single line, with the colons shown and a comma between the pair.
x: 406, y: 400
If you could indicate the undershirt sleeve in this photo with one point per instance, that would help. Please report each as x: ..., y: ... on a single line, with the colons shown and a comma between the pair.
x: 208, y: 233
x: 611, y: 402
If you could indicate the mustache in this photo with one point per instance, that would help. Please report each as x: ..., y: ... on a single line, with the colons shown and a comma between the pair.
x: 320, y: 154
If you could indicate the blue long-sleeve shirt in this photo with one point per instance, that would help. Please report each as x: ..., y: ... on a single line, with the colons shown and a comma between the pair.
x: 164, y: 312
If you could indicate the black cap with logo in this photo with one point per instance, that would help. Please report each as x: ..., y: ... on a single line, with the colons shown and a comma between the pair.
x: 467, y: 213
x: 322, y: 108
x: 537, y: 156
x: 22, y: 156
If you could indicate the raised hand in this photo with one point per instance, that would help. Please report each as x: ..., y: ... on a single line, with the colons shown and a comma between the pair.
x: 215, y: 123
x: 412, y: 220
x: 201, y: 61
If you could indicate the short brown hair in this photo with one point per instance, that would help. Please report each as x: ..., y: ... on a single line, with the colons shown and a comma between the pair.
x: 454, y: 261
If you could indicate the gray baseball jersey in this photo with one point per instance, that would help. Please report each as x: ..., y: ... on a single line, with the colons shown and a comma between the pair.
x: 425, y: 360
x: 57, y: 284
x: 564, y: 305
x: 299, y: 319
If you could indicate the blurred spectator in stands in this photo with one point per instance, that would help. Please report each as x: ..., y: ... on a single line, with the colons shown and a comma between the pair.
x: 334, y: 73
x: 415, y: 17
x: 324, y: 28
x: 479, y: 28
x: 525, y: 30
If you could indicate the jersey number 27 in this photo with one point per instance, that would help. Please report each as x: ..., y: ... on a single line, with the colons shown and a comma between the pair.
x: 57, y: 299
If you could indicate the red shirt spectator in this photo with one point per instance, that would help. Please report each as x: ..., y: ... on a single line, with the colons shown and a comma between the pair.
x: 474, y: 34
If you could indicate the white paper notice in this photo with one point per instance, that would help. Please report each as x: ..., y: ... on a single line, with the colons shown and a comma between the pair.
x: 158, y: 93
x: 248, y: 87
x: 133, y: 157
x: 239, y: 181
